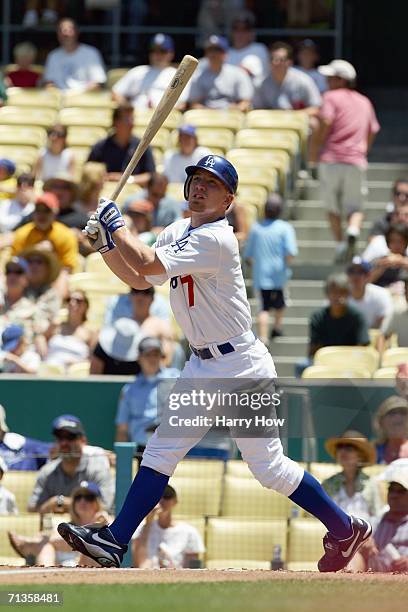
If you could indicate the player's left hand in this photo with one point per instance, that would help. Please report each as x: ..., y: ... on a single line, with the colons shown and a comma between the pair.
x: 99, y: 238
x: 109, y: 215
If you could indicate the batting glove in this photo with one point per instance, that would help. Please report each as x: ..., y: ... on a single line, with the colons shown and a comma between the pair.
x: 109, y: 215
x: 98, y: 237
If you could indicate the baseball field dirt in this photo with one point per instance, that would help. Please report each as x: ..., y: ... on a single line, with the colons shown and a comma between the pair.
x: 210, y: 590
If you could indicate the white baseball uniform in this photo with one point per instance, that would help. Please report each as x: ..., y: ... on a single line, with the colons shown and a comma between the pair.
x: 209, y: 302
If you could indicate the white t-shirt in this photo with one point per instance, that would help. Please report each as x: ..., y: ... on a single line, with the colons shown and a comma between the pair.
x: 7, y: 501
x: 11, y: 213
x: 376, y: 248
x: 171, y: 543
x: 75, y: 70
x: 145, y: 85
x: 175, y: 163
x: 55, y: 164
x: 30, y: 359
x: 207, y: 289
x: 254, y: 58
x: 375, y: 304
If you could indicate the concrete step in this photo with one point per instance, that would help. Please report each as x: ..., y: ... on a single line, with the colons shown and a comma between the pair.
x: 295, y: 327
x: 322, y: 250
x: 378, y: 191
x: 305, y: 290
x: 314, y: 210
x: 285, y: 366
x: 296, y: 309
x: 320, y: 230
x: 289, y: 346
x: 386, y: 172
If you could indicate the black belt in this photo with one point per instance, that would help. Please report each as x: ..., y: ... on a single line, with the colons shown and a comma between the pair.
x: 205, y: 353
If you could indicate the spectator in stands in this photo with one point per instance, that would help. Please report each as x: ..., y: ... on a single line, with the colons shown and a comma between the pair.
x: 138, y: 219
x: 307, y: 60
x: 352, y: 489
x: 377, y: 244
x: 14, y: 210
x: 116, y: 150
x: 130, y: 305
x: 399, y: 199
x: 348, y: 126
x: 220, y: 85
x: 90, y: 186
x: 55, y: 157
x: 72, y: 341
x: 49, y: 549
x: 166, y: 209
x: 15, y: 307
x: 215, y: 17
x: 245, y: 52
x: 387, y: 550
x: 76, y: 462
x: 143, y: 86
x: 8, y: 183
x: 16, y: 357
x: 160, y: 541
x: 19, y: 452
x: 70, y: 212
x: 391, y: 426
x: 23, y: 74
x: 398, y: 323
x: 188, y: 153
x: 115, y: 353
x: 271, y: 247
x: 73, y: 65
x: 32, y: 8
x: 137, y: 416
x: 389, y: 267
x: 374, y: 302
x: 285, y: 87
x: 8, y: 503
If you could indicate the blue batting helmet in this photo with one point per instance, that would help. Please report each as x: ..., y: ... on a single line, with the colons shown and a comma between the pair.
x: 220, y: 167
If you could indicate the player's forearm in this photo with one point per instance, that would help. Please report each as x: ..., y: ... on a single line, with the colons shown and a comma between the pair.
x: 136, y: 254
x: 122, y: 270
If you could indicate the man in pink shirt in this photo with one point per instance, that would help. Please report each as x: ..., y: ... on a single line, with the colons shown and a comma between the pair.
x: 347, y: 129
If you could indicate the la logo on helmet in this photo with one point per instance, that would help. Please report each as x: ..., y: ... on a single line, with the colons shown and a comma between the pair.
x: 210, y: 161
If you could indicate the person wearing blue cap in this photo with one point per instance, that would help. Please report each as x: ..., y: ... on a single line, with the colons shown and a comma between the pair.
x: 143, y: 86
x: 15, y: 356
x: 220, y: 85
x: 188, y: 153
x: 8, y: 183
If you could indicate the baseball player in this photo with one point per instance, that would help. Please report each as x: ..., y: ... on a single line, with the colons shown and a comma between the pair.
x: 200, y: 255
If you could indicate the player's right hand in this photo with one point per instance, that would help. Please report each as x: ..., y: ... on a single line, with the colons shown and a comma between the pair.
x: 99, y: 238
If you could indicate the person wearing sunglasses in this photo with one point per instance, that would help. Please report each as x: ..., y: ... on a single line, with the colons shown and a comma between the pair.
x: 55, y: 157
x: 76, y: 461
x: 399, y: 198
x: 14, y: 305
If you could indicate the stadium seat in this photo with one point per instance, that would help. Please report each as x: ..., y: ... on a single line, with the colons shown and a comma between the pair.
x: 49, y: 370
x: 195, y: 521
x: 128, y: 190
x: 79, y: 370
x: 321, y: 471
x: 142, y: 118
x: 85, y: 136
x: 251, y: 214
x: 359, y: 356
x: 98, y: 117
x: 375, y: 470
x: 176, y: 191
x: 29, y: 135
x: 81, y: 155
x: 23, y: 156
x: 21, y: 483
x: 252, y: 194
x: 161, y: 139
x: 96, y: 283
x: 269, y: 139
x: 197, y: 496
x: 26, y: 525
x: 200, y: 468
x: 19, y: 115
x: 95, y: 99
x: 240, y: 469
x: 305, y: 544
x: 252, y: 161
x: 382, y: 373
x: 113, y: 76
x: 220, y: 139
x: 282, y: 120
x: 42, y: 98
x: 247, y: 498
x: 239, y: 543
x: 94, y: 263
x: 320, y: 371
x: 394, y: 356
x: 259, y: 176
x: 232, y: 119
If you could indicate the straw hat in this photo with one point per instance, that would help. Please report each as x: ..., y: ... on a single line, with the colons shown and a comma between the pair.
x: 358, y: 440
x: 53, y: 263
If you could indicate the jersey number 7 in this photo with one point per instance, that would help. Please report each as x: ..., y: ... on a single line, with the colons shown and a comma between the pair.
x: 190, y: 286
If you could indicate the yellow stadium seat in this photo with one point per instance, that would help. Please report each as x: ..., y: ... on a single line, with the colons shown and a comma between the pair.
x: 20, y: 154
x: 252, y: 194
x: 99, y: 117
x: 231, y: 119
x: 39, y: 68
x: 79, y: 370
x: 196, y: 521
x: 320, y: 371
x: 81, y: 155
x: 21, y: 483
x: 251, y: 214
x: 305, y: 544
x: 94, y: 263
x: 85, y: 136
x: 239, y: 543
x: 374, y: 470
x: 94, y: 283
x: 259, y: 176
x: 247, y: 498
x: 128, y: 190
x: 197, y: 496
x: 176, y: 191
x: 322, y: 471
x: 269, y: 139
x: 26, y: 525
x: 337, y: 356
x: 220, y: 139
x: 200, y: 468
x: 394, y: 357
x: 250, y: 161
x: 19, y: 115
x: 142, y: 118
x: 48, y: 370
x: 43, y: 98
x: 28, y: 135
x: 240, y: 469
x: 160, y: 140
x: 282, y: 120
x: 382, y: 373
x: 94, y: 99
x: 114, y: 75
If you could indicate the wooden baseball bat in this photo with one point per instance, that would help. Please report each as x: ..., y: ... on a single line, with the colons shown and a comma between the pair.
x: 183, y: 74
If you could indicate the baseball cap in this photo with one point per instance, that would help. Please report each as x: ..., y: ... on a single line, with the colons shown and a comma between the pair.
x: 150, y: 344
x: 307, y: 43
x: 144, y: 207
x: 397, y: 471
x: 3, y: 465
x: 88, y: 488
x: 3, y: 424
x: 339, y: 68
x: 17, y: 263
x: 216, y: 42
x: 49, y: 200
x: 359, y: 262
x: 187, y: 129
x: 120, y: 340
x: 11, y: 336
x: 8, y: 165
x: 164, y: 41
x: 68, y: 422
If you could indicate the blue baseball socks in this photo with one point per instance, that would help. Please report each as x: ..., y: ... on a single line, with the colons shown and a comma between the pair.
x: 311, y: 496
x: 145, y: 492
